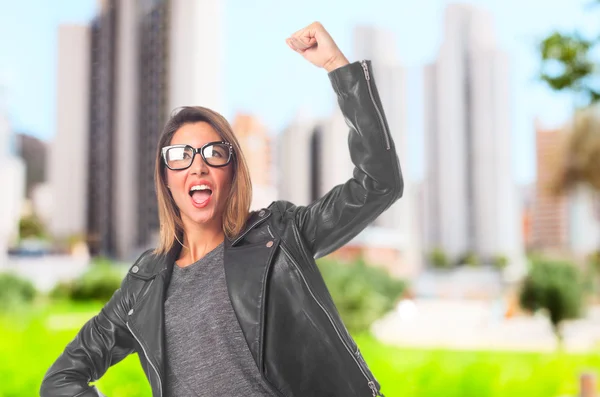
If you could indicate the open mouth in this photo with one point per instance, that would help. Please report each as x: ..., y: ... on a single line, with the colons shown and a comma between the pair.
x: 200, y: 194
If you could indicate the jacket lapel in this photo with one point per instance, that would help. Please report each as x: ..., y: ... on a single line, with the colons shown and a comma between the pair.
x: 147, y: 318
x: 246, y: 271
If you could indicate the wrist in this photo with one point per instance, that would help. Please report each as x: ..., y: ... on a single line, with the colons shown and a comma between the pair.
x: 335, y: 63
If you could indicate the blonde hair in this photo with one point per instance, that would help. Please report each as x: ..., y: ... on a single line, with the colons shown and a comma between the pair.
x: 239, y: 200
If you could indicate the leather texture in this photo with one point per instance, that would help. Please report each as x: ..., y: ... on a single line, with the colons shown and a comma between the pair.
x: 289, y: 320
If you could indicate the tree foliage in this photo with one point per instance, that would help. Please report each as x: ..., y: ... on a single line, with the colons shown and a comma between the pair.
x: 556, y: 288
x: 31, y: 227
x: 361, y: 293
x: 568, y: 64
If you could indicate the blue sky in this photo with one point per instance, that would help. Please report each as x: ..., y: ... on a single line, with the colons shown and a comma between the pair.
x: 263, y: 76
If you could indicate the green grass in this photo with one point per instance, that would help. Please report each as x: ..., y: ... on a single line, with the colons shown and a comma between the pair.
x: 31, y: 341
x: 429, y: 373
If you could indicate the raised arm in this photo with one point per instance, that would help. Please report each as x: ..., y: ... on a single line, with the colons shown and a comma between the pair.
x: 376, y: 183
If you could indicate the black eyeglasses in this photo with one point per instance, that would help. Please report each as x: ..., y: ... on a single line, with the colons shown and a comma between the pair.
x: 214, y: 154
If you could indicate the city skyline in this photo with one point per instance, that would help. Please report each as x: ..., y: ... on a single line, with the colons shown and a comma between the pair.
x: 139, y: 69
x: 244, y: 74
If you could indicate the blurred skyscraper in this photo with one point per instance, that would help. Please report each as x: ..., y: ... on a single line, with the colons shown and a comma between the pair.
x: 584, y: 221
x: 313, y: 157
x: 12, y: 180
x: 563, y: 223
x: 258, y: 149
x: 146, y: 58
x: 295, y: 163
x: 550, y: 211
x: 68, y: 155
x: 33, y: 151
x: 5, y: 128
x: 471, y: 197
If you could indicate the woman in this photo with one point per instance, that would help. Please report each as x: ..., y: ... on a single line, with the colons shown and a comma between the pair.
x: 231, y: 302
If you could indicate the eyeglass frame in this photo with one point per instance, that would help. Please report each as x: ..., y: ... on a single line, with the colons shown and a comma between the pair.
x: 197, y: 151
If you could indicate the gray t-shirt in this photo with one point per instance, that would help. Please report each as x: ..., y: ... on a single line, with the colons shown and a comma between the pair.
x: 207, y: 354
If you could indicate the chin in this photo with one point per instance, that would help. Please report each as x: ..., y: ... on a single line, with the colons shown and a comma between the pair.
x: 205, y: 217
x: 202, y: 216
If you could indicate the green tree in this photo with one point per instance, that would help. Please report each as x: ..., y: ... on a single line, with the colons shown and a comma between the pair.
x: 439, y: 259
x: 469, y: 258
x: 567, y: 66
x: 15, y: 291
x: 500, y: 261
x: 31, y: 226
x: 556, y: 288
x: 568, y: 63
x: 362, y: 293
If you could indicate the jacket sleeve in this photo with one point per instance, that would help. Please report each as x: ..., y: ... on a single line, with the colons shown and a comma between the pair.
x: 102, y: 342
x: 344, y: 211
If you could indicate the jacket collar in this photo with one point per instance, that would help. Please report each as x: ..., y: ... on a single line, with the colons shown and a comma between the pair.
x: 255, y: 219
x: 150, y: 265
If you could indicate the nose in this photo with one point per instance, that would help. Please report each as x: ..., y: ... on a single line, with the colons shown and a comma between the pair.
x: 198, y: 166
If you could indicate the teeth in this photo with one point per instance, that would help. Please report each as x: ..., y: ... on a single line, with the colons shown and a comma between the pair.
x: 200, y: 187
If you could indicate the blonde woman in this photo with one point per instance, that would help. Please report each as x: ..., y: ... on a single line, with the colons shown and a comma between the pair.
x: 231, y: 302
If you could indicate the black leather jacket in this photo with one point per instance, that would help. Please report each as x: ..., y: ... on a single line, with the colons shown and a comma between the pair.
x: 283, y: 307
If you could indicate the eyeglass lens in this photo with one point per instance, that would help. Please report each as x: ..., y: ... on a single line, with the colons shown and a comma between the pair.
x: 216, y: 154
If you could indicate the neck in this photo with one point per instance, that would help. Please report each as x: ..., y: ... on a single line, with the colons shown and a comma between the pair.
x: 198, y: 240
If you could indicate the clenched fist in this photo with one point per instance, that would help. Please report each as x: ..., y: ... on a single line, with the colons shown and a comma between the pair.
x: 316, y: 46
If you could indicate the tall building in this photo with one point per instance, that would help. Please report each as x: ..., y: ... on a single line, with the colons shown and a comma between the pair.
x: 195, y: 53
x: 129, y: 140
x: 33, y: 151
x: 331, y: 155
x: 5, y: 128
x: 257, y: 146
x: 152, y: 113
x: 146, y: 57
x: 565, y: 222
x: 296, y: 163
x: 584, y: 221
x: 68, y: 156
x: 550, y: 222
x: 100, y: 155
x: 12, y: 179
x: 471, y: 199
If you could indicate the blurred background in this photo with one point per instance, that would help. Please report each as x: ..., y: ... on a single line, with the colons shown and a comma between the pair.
x: 483, y: 280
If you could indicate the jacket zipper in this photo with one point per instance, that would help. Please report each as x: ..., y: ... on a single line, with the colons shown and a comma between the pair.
x: 147, y: 358
x: 370, y: 383
x: 368, y: 77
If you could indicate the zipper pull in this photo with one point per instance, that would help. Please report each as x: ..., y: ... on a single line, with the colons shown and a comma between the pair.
x: 373, y: 388
x: 366, y: 69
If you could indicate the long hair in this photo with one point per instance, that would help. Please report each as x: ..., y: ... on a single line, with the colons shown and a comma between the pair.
x: 239, y: 199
